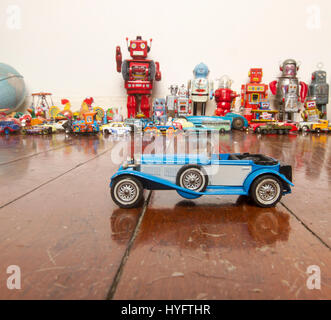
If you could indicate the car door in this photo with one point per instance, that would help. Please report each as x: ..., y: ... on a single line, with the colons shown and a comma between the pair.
x: 229, y: 172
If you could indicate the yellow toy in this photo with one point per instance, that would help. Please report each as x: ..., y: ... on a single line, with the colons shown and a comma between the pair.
x: 322, y: 125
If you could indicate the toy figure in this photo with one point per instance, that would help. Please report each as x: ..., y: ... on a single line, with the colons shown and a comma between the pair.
x: 170, y: 100
x: 286, y: 89
x: 183, y: 103
x: 224, y: 96
x: 160, y: 111
x: 138, y: 74
x: 253, y: 93
x: 200, y: 88
x: 311, y: 112
x: 319, y: 90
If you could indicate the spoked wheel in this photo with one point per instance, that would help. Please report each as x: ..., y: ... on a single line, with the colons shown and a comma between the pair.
x: 127, y: 192
x: 193, y: 178
x: 238, y: 123
x: 266, y: 191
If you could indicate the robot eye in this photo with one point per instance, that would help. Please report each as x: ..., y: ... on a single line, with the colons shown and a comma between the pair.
x: 133, y: 46
x: 143, y: 46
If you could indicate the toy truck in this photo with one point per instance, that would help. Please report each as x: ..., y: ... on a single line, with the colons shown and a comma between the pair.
x: 260, y: 177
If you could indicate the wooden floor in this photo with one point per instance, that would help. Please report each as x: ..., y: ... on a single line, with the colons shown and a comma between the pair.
x: 60, y: 226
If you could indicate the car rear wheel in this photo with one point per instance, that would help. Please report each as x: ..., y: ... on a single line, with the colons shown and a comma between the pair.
x: 192, y: 177
x: 305, y: 129
x: 266, y: 191
x: 238, y: 123
x: 127, y: 192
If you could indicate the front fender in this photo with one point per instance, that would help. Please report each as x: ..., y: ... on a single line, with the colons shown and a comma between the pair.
x: 257, y: 173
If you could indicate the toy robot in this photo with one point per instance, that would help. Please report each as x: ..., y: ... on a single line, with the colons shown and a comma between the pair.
x: 170, y: 100
x: 183, y: 102
x: 286, y: 89
x: 201, y: 88
x: 311, y: 112
x: 224, y: 96
x: 319, y: 90
x: 138, y: 74
x: 253, y: 93
x: 160, y: 111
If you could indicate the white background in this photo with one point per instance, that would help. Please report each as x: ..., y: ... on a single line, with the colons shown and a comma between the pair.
x: 67, y: 47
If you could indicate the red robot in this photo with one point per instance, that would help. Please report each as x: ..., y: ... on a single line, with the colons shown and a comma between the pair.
x: 224, y: 96
x: 138, y: 74
x: 253, y: 93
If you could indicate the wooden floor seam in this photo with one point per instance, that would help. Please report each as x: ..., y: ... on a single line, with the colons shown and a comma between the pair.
x: 53, y: 179
x: 117, y: 278
x: 306, y: 226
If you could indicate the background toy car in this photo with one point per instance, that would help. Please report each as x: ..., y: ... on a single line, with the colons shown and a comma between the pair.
x: 322, y: 125
x: 213, y: 123
x: 9, y: 126
x: 115, y: 128
x: 255, y: 175
x: 152, y: 127
x: 136, y: 125
x: 36, y: 130
x: 271, y: 128
x: 237, y: 121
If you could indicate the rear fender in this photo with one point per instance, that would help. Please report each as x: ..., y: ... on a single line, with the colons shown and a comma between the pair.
x: 249, y: 180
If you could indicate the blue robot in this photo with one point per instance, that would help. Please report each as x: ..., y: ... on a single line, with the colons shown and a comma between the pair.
x: 201, y: 89
x: 160, y: 111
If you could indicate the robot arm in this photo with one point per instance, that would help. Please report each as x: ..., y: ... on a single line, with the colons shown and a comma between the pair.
x: 157, y: 72
x: 211, y: 91
x: 303, y: 91
x: 273, y: 87
x: 118, y: 59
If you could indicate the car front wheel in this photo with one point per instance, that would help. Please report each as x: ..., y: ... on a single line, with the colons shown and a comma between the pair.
x: 127, y: 192
x: 266, y: 191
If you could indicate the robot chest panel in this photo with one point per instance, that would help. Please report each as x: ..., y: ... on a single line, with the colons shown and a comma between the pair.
x: 200, y: 85
x: 138, y: 70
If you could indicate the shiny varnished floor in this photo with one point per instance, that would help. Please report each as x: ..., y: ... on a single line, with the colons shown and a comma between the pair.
x: 59, y: 224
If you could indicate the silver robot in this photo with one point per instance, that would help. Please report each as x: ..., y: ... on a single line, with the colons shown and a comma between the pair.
x: 286, y: 89
x: 171, y: 100
x: 319, y: 90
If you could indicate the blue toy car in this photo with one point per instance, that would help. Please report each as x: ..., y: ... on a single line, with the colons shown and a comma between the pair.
x: 8, y: 126
x: 261, y: 178
x: 237, y: 121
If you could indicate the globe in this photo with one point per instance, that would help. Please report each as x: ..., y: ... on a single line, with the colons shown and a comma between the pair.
x: 12, y: 88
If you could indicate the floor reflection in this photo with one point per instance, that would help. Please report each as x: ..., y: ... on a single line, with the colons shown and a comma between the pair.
x: 191, y: 226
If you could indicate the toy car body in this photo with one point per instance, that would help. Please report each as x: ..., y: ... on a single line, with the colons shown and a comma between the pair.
x: 50, y: 127
x: 118, y: 128
x: 135, y: 124
x: 9, y: 126
x: 36, y: 130
x: 272, y: 128
x: 59, y: 125
x: 322, y: 125
x: 237, y: 121
x: 152, y: 127
x: 304, y: 126
x: 255, y: 175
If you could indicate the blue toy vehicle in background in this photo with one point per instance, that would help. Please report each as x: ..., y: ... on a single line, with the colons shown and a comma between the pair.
x: 237, y: 121
x: 9, y: 126
x: 261, y: 178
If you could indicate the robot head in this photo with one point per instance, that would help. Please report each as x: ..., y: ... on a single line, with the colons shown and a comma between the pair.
x: 310, y: 104
x: 255, y: 75
x: 182, y: 90
x: 318, y: 77
x: 289, y: 68
x: 138, y: 48
x: 201, y: 71
x: 224, y: 82
x: 173, y: 90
